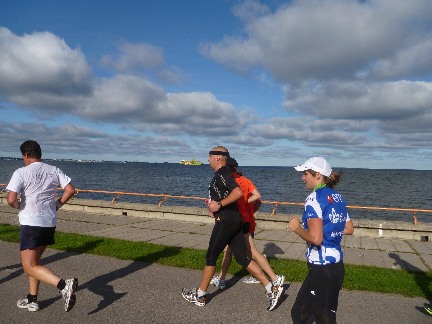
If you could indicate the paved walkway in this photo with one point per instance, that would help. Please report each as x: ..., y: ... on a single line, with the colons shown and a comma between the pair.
x: 379, y: 252
x: 114, y: 291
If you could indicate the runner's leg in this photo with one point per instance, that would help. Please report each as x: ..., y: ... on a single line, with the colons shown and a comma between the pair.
x: 260, y: 258
x: 226, y: 262
x: 30, y: 261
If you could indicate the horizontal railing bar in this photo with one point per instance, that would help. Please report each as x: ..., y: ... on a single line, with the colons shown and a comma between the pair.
x: 391, y: 209
x: 137, y: 194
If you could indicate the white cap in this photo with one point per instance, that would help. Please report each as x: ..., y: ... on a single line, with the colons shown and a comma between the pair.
x: 318, y: 164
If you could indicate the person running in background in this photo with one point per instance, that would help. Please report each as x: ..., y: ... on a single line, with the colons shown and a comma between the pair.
x: 223, y: 195
x: 37, y: 184
x: 325, y: 220
x: 247, y: 208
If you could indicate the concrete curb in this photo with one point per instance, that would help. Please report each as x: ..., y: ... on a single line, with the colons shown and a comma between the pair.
x: 364, y: 227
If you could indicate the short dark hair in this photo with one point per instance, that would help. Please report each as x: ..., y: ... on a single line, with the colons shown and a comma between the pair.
x: 32, y: 149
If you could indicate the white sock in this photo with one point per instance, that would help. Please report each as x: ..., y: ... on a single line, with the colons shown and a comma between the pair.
x: 269, y: 288
x: 201, y: 293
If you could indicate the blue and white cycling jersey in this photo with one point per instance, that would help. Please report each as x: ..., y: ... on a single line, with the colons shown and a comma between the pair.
x: 330, y: 206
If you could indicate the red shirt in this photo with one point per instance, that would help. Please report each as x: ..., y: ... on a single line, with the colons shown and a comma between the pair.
x: 246, y: 209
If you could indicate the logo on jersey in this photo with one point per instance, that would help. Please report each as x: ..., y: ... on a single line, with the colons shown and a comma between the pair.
x: 330, y: 199
x: 336, y: 218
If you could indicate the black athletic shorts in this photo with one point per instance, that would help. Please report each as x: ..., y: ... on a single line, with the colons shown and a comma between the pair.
x: 223, y: 234
x: 34, y: 236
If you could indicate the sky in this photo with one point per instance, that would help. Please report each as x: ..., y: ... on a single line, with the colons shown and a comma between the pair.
x: 275, y: 82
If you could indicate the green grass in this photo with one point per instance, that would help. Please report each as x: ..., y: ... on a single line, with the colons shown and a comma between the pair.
x: 406, y: 283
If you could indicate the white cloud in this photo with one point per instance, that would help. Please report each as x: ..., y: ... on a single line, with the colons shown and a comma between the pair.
x: 195, y: 113
x: 341, y: 65
x: 313, y: 132
x: 73, y: 141
x: 415, y: 60
x: 45, y: 86
x: 143, y: 59
x: 134, y: 57
x: 142, y: 105
x: 359, y: 100
x: 121, y: 99
x: 323, y: 39
x: 41, y: 63
x: 249, y: 10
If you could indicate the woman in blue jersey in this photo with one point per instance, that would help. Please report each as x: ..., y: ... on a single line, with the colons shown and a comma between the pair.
x: 325, y: 219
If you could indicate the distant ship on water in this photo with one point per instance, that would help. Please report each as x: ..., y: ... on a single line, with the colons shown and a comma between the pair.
x: 190, y: 162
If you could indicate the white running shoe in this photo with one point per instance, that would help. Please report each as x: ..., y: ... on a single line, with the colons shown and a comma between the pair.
x: 250, y: 280
x: 219, y: 284
x: 280, y: 280
x: 32, y: 307
x: 191, y: 295
x: 68, y: 293
x: 274, y: 296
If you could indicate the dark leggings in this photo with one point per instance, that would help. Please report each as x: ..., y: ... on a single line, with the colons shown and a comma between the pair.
x: 223, y: 234
x: 319, y: 294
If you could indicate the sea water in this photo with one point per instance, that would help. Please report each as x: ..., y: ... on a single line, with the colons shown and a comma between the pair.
x: 360, y: 187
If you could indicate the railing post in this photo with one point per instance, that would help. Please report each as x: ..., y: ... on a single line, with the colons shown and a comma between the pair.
x: 274, y: 209
x: 414, y: 218
x: 162, y: 201
x: 115, y: 198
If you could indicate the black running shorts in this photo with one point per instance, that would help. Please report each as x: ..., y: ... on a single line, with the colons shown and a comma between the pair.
x: 223, y: 234
x: 34, y: 236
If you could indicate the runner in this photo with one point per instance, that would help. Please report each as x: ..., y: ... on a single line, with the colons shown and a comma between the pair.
x: 37, y: 184
x: 223, y: 194
x: 247, y: 206
x: 325, y: 220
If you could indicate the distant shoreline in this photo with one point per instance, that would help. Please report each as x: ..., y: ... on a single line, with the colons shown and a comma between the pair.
x: 8, y: 158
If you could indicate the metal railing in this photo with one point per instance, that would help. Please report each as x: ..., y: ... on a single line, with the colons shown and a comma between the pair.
x: 275, y: 204
x: 121, y: 193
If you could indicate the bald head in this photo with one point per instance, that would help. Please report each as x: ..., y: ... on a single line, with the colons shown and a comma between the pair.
x: 218, y: 157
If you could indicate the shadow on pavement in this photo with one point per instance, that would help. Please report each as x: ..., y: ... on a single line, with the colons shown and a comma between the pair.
x: 423, y: 310
x: 229, y: 283
x: 271, y: 249
x: 422, y: 278
x: 101, y: 285
x: 45, y: 260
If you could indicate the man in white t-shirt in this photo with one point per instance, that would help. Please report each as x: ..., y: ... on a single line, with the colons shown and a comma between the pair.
x: 36, y: 184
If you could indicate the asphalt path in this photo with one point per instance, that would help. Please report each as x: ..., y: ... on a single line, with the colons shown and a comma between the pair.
x: 116, y: 291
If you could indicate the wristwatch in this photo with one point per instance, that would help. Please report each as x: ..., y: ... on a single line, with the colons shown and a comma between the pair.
x: 59, y: 204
